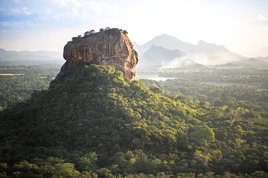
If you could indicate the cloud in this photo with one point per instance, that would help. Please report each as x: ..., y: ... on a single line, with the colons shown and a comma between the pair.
x: 17, y: 0
x: 88, y: 7
x: 81, y: 11
x: 2, y: 9
x: 258, y: 20
x: 48, y: 11
x: 261, y: 17
x: 23, y: 10
x: 63, y: 3
x: 4, y: 24
x: 58, y: 16
x: 92, y: 5
x: 75, y: 12
x: 15, y: 10
x: 11, y: 24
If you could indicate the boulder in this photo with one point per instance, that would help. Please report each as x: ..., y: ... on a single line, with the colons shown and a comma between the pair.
x: 111, y: 47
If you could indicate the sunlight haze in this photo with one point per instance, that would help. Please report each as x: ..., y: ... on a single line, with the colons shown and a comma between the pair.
x: 239, y: 25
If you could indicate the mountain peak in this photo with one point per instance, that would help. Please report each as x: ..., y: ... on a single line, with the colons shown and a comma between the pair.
x: 201, y: 42
x: 165, y: 35
x: 168, y: 42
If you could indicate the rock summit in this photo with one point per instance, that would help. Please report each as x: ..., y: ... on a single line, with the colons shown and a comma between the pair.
x: 107, y: 47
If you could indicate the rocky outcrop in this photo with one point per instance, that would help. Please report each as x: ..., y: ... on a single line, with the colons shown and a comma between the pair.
x: 110, y: 47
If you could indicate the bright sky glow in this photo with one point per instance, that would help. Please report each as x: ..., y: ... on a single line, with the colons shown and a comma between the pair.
x: 239, y: 25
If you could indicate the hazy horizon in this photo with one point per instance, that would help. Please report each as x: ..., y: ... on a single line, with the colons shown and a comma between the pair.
x: 46, y: 25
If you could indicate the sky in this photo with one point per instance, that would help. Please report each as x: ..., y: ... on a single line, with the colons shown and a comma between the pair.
x: 239, y: 25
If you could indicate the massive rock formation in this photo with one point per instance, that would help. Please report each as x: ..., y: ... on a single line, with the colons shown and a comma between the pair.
x: 110, y: 47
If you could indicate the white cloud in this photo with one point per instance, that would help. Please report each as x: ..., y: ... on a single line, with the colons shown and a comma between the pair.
x: 257, y: 20
x: 4, y: 24
x: 18, y: 10
x: 84, y: 14
x: 10, y: 24
x: 25, y: 11
x: 76, y: 3
x: 58, y: 16
x: 92, y: 5
x: 15, y: 10
x: 261, y: 17
x: 75, y: 12
x: 102, y: 9
x: 62, y: 3
x: 48, y: 11
x: 2, y: 9
x: 95, y: 10
x: 17, y: 0
x: 84, y: 6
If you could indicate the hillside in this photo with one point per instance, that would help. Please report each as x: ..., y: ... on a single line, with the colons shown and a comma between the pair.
x: 95, y: 122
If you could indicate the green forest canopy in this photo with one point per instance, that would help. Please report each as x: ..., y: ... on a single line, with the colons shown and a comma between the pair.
x: 96, y: 122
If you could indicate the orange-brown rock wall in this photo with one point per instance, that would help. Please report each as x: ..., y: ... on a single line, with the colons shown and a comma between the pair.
x: 105, y: 48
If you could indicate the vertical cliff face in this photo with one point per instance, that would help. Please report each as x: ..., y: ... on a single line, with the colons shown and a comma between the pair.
x: 110, y: 47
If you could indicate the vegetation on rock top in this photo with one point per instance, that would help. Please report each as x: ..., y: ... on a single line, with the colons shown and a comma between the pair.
x: 102, y: 31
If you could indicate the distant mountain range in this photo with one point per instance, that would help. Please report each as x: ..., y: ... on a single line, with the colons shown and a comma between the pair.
x: 159, y: 56
x: 30, y: 56
x: 162, y: 51
x: 262, y: 52
x: 166, y: 41
x: 168, y: 51
x: 211, y: 54
x: 265, y: 59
